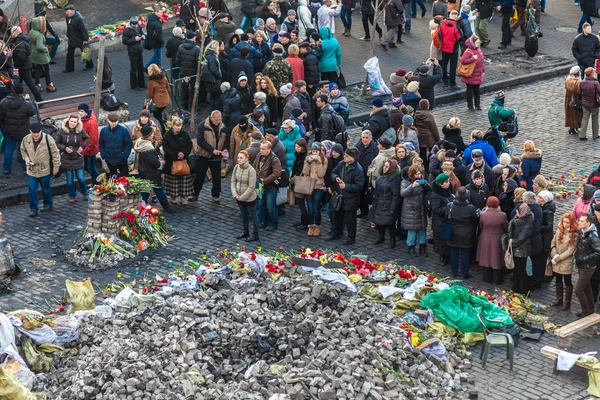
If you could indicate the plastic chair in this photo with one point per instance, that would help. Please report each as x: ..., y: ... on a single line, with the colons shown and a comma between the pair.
x: 495, y: 339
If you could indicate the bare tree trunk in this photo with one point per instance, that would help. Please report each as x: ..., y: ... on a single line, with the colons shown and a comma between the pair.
x: 202, y: 29
x: 99, y: 71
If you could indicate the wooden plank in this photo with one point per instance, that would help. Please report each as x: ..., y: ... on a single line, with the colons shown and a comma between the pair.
x: 58, y: 100
x: 62, y: 110
x: 578, y: 325
x: 551, y: 352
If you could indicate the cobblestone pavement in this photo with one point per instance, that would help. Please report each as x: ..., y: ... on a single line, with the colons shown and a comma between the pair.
x: 205, y: 226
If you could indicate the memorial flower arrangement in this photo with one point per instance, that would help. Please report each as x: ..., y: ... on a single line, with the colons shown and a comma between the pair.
x: 568, y: 184
x: 120, y: 186
x: 143, y: 226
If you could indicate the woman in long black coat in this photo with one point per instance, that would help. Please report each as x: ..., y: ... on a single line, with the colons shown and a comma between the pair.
x: 464, y: 217
x: 177, y: 146
x: 439, y: 199
x: 386, y: 202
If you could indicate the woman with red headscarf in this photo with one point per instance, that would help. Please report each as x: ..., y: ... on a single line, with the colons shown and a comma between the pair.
x: 490, y: 255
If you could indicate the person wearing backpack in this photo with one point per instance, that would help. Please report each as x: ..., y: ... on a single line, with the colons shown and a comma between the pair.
x: 497, y: 113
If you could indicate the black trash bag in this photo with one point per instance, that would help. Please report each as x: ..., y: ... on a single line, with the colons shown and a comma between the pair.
x: 533, y: 32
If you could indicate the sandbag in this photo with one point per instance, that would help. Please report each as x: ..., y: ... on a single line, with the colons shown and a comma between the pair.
x: 81, y: 294
x: 31, y: 319
x: 11, y: 388
x: 7, y: 262
x: 457, y: 308
x: 376, y: 82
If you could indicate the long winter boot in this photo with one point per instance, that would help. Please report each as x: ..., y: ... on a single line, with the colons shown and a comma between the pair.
x: 381, y: 238
x: 498, y: 277
x: 392, y: 230
x: 559, y: 294
x: 423, y: 250
x: 411, y: 251
x: 568, y: 295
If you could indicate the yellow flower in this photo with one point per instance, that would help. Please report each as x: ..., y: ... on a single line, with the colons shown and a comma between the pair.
x: 308, y: 251
x: 323, y: 260
x: 415, y: 339
x: 355, y: 278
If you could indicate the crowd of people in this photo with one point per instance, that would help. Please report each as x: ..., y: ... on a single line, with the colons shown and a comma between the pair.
x: 278, y: 125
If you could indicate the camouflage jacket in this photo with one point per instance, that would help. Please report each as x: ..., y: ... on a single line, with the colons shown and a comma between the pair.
x: 280, y: 71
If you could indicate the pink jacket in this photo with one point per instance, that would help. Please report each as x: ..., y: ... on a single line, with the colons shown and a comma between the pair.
x: 467, y: 58
x: 297, y: 69
x: 581, y: 207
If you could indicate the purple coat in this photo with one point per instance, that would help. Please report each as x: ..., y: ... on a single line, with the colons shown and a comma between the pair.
x: 590, y: 90
x: 493, y: 224
x: 467, y: 58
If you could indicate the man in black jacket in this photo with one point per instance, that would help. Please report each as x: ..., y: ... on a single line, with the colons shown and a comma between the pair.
x: 241, y: 64
x: 77, y: 33
x: 15, y: 111
x: 367, y: 151
x: 189, y: 13
x: 312, y: 72
x: 585, y: 48
x: 379, y: 120
x: 427, y: 82
x: 154, y: 30
x: 132, y: 38
x: 21, y: 55
x: 587, y: 256
x: 350, y: 180
x: 484, y: 9
x: 172, y: 46
x: 187, y: 59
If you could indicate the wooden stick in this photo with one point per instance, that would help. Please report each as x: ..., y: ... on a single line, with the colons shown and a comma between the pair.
x: 99, y: 74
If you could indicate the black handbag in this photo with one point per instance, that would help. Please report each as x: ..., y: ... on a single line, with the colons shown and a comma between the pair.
x: 341, y: 79
x: 576, y: 103
x: 336, y: 201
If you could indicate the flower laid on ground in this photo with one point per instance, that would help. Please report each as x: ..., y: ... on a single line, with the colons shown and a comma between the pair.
x: 144, y: 227
x: 102, y: 243
x: 121, y: 186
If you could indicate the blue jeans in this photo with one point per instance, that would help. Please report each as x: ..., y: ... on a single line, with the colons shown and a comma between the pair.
x: 160, y: 195
x: 313, y: 203
x: 246, y: 20
x: 408, y: 23
x: 52, y: 41
x: 71, y: 175
x: 584, y: 18
x: 464, y: 261
x: 33, y: 184
x: 346, y: 16
x: 9, y: 149
x: 267, y: 207
x: 413, y: 6
x: 156, y: 57
x: 543, y: 5
x: 89, y: 163
x: 411, y: 239
x: 248, y: 211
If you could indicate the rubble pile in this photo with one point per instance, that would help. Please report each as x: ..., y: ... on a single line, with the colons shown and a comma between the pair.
x: 294, y: 338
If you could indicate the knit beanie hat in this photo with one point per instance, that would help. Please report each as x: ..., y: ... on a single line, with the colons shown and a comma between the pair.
x: 225, y: 86
x: 407, y: 120
x: 462, y: 194
x: 504, y: 159
x: 397, y: 102
x: 493, y: 202
x: 338, y: 148
x: 546, y: 196
x: 286, y: 89
x: 413, y: 87
x: 378, y: 102
x: 398, y: 76
x: 541, y: 181
x: 147, y: 130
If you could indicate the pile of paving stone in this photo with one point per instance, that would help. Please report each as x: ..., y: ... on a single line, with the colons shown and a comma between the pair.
x: 295, y: 338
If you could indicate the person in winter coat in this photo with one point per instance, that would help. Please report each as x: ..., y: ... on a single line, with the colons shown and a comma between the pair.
x: 393, y: 18
x: 304, y: 98
x: 477, y: 143
x: 448, y: 169
x: 289, y: 101
x: 209, y: 146
x: 386, y: 153
x: 231, y: 106
x: 186, y: 58
x: 464, y: 218
x: 426, y: 128
x: 15, y: 111
x: 155, y: 40
x: 115, y: 145
x: 177, y: 145
x: 538, y: 259
x: 368, y: 149
x: 172, y: 46
x: 439, y: 7
x: 485, y: 10
x: 349, y: 182
x: 396, y: 113
x: 290, y: 23
x: 90, y: 126
x: 464, y: 25
x: 296, y: 63
x: 243, y: 184
x: 434, y: 52
x: 158, y: 93
x: 450, y: 38
x: 40, y: 56
x: 563, y: 246
x: 518, y: 237
x: 241, y: 64
x: 150, y: 166
x: 246, y: 96
x: 133, y: 38
x: 71, y: 140
x: 300, y: 155
x: 385, y: 209
x: 473, y: 54
x: 439, y: 200
x: 403, y: 157
x: 243, y: 190
x: 250, y: 13
x: 585, y: 48
x: 214, y: 75
x: 507, y: 197
x: 415, y: 192
x: 260, y: 43
x: 407, y: 133
x: 531, y: 163
x: 590, y: 90
x: 497, y: 113
x: 587, y: 256
x: 326, y: 16
x: 325, y: 128
x: 490, y: 255
x: 479, y: 164
x: 288, y: 135
x: 398, y: 82
x: 367, y: 10
x: 241, y: 135
x: 77, y: 35
x: 312, y: 70
x: 583, y: 202
x: 427, y: 82
x: 21, y: 55
x: 546, y: 201
x: 304, y: 19
x: 223, y: 26
x: 411, y: 97
x: 278, y: 69
x: 379, y: 119
x: 573, y: 116
x: 331, y: 54
x: 315, y: 166
x: 588, y: 9
x: 453, y: 134
x: 478, y: 190
x: 338, y: 101
x: 40, y: 153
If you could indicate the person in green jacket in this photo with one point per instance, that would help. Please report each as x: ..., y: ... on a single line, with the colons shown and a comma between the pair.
x: 288, y: 134
x: 40, y: 56
x: 331, y: 56
x: 497, y: 113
